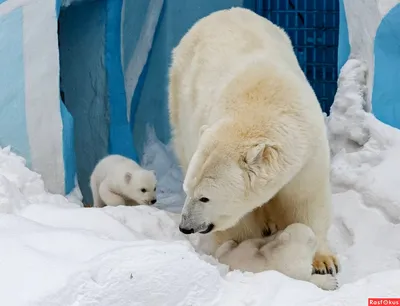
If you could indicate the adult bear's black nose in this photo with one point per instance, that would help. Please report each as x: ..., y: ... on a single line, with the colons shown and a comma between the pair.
x: 186, y: 231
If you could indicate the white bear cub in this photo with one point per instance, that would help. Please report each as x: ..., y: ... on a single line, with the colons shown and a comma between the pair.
x: 290, y: 252
x: 117, y: 180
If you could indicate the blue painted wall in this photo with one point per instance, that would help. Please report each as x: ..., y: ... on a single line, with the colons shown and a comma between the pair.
x: 386, y: 91
x: 120, y: 138
x: 68, y: 148
x: 83, y: 80
x: 68, y: 135
x: 177, y: 17
x: 344, y: 44
x: 12, y: 85
x: 133, y: 26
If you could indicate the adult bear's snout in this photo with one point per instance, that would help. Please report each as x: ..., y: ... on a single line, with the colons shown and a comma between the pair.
x: 190, y: 228
x: 186, y: 231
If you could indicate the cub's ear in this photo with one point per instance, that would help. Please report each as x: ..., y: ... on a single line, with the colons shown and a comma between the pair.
x: 283, y: 237
x: 128, y: 177
x: 312, y: 242
x: 202, y: 129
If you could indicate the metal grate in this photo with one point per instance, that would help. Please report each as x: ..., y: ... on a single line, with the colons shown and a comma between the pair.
x: 313, y: 26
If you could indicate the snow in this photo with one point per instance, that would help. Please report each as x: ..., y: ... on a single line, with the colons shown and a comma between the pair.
x: 56, y: 252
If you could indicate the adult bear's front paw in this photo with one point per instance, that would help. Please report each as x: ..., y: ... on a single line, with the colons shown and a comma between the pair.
x: 325, y: 263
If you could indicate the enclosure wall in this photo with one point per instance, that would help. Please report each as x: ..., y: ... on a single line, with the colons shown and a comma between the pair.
x: 84, y: 83
x: 30, y: 115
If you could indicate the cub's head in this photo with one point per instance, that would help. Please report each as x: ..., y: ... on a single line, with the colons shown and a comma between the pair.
x: 292, y: 251
x: 299, y: 235
x: 224, y: 180
x: 141, y: 186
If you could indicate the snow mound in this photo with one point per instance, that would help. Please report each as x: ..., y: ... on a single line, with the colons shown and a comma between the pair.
x: 55, y: 252
x: 365, y: 175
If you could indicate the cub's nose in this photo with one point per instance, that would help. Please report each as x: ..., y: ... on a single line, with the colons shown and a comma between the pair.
x: 154, y: 201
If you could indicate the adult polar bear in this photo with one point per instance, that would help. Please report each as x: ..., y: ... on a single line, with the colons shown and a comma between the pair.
x: 248, y: 130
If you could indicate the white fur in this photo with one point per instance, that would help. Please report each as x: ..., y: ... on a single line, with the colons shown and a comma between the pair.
x: 290, y: 252
x: 248, y: 130
x: 117, y: 180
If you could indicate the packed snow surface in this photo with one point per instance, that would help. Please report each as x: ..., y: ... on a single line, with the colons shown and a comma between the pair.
x: 55, y: 252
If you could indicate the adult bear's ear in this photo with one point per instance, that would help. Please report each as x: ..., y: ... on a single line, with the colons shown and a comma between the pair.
x: 259, y: 154
x: 255, y: 154
x: 260, y: 161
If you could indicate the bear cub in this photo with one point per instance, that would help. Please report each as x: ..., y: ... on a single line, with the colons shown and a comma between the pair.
x: 290, y: 252
x: 117, y: 180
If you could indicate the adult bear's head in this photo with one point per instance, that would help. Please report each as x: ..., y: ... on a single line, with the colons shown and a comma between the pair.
x: 231, y: 173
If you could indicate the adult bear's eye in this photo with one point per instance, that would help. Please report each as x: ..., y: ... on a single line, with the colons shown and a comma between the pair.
x: 204, y: 200
x: 143, y: 190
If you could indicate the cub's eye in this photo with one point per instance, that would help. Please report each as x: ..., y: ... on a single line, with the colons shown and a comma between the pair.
x: 155, y: 188
x: 204, y: 200
x: 143, y: 190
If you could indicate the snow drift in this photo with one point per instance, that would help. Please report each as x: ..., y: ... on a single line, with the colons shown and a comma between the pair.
x: 55, y: 252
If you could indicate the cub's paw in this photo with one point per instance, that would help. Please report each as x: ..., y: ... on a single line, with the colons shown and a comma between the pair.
x: 330, y: 283
x: 325, y: 263
x: 325, y: 282
x: 225, y: 248
x: 269, y: 229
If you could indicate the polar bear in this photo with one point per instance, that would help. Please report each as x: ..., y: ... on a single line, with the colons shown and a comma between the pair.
x: 117, y: 180
x: 248, y: 130
x: 289, y: 251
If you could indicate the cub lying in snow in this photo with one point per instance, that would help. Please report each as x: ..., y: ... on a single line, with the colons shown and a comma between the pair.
x: 117, y: 180
x: 290, y: 252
